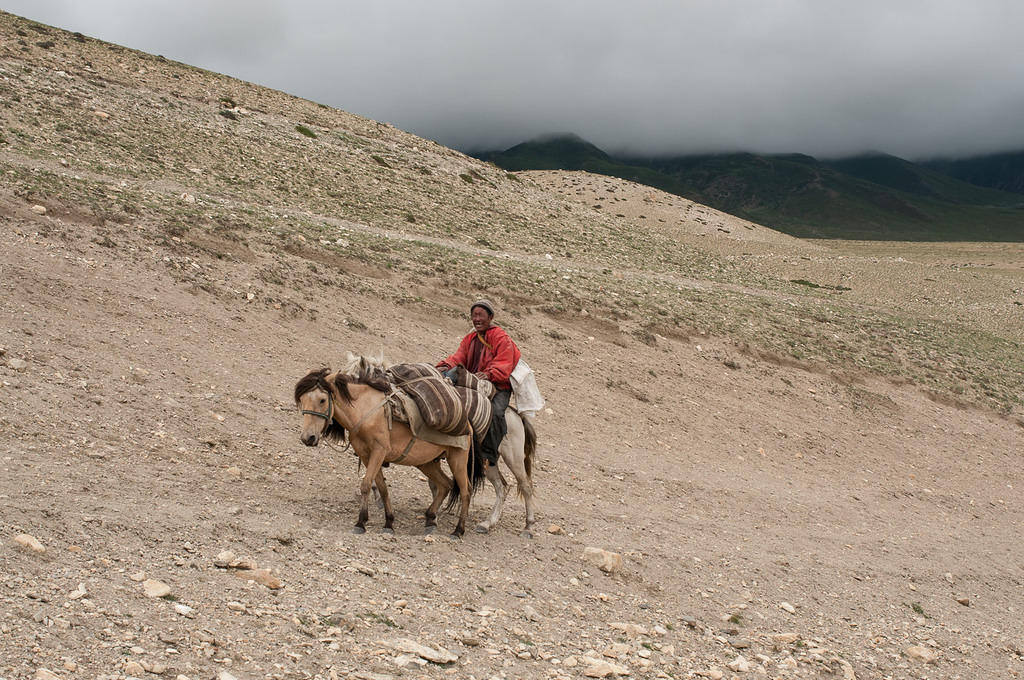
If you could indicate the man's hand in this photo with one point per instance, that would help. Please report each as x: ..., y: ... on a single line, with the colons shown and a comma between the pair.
x: 481, y: 375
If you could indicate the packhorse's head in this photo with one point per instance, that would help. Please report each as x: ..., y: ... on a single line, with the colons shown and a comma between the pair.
x: 313, y: 396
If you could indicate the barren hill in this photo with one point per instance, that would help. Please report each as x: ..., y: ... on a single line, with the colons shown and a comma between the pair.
x: 807, y: 454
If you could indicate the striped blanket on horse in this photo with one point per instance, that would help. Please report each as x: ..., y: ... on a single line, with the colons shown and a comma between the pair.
x: 444, y: 407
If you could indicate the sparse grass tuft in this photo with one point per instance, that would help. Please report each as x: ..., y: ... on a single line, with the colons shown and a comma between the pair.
x: 303, y: 130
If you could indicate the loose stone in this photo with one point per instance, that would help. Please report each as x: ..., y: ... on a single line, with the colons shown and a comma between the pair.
x: 154, y: 588
x: 30, y: 542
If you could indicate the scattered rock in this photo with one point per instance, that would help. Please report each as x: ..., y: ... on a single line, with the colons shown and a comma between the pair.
x: 224, y: 559
x: 739, y: 643
x: 46, y: 674
x: 134, y: 669
x: 847, y: 669
x: 154, y: 588
x: 78, y: 593
x: 606, y: 561
x: 740, y: 665
x: 964, y: 600
x: 617, y: 650
x: 556, y: 530
x: 102, y: 115
x: 185, y: 610
x: 439, y: 655
x: 630, y: 629
x: 264, y: 578
x: 715, y: 674
x: 599, y: 668
x: 39, y: 209
x: 531, y: 613
x: 30, y: 542
x: 363, y: 569
x: 17, y: 364
x: 785, y: 606
x: 921, y: 653
x: 785, y: 638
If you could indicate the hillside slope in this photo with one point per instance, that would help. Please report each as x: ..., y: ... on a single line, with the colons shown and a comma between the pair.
x: 807, y: 457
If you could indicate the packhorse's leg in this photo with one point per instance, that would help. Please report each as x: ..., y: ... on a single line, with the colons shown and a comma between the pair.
x: 385, y: 499
x: 458, y: 460
x: 373, y: 461
x: 440, y: 485
x: 500, y: 491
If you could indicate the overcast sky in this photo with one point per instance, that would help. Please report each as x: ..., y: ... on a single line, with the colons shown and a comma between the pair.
x: 916, y: 78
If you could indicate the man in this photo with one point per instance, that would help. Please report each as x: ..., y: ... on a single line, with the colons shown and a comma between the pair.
x: 489, y: 353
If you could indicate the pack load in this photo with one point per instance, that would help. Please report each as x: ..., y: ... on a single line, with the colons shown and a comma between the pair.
x: 476, y: 399
x: 439, y: 403
x: 524, y: 386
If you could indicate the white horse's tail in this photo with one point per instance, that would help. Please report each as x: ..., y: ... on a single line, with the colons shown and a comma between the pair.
x: 530, y: 446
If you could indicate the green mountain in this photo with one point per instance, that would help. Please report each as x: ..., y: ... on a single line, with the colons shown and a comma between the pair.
x: 874, y: 196
x: 1003, y: 171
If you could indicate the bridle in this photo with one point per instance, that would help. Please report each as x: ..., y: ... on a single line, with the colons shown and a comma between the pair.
x: 326, y: 416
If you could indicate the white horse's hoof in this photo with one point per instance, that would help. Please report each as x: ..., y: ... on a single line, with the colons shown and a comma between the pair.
x: 358, y: 530
x: 526, y: 533
x: 429, y: 530
x: 481, y: 529
x: 387, y: 530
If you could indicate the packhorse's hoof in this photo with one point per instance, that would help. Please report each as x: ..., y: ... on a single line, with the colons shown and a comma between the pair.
x: 526, y: 533
x: 429, y: 530
x: 481, y: 529
x: 358, y: 530
x: 388, y: 530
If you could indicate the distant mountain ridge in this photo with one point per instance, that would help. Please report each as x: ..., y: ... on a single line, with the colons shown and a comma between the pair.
x: 871, y: 196
x: 1003, y: 171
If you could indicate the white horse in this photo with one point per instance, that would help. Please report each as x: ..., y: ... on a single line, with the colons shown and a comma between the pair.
x: 517, y: 451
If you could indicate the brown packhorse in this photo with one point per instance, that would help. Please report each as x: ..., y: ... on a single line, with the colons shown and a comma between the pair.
x: 332, y: 403
x: 517, y: 451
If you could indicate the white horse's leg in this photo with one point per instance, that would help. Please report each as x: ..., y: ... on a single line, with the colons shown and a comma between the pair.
x: 516, y: 462
x: 500, y: 491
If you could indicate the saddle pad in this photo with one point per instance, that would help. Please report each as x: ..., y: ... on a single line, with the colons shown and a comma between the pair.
x: 412, y: 416
x: 478, y: 410
x: 438, y: 402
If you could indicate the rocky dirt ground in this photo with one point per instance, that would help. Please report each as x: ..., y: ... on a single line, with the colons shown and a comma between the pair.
x: 805, y: 455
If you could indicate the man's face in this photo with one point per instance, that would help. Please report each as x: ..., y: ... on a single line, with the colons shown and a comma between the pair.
x: 481, y: 319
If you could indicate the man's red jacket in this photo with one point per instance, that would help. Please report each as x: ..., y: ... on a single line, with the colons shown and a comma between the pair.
x: 492, y: 353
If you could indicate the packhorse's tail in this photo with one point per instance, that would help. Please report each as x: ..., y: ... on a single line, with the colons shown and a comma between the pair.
x: 476, y: 475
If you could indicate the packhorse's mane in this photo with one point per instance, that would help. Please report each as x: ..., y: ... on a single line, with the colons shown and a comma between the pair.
x: 358, y: 371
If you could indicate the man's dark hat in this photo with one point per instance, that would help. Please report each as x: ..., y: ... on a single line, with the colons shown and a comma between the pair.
x: 486, y: 304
